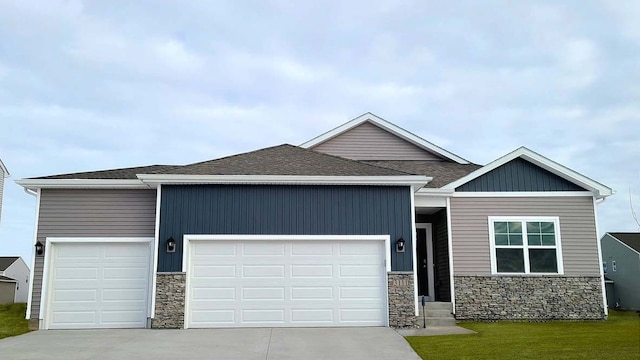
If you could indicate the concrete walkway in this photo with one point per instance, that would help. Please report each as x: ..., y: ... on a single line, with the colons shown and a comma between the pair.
x: 435, y: 330
x: 265, y: 343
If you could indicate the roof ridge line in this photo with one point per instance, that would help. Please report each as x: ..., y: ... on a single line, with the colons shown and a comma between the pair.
x: 357, y: 161
x: 234, y: 155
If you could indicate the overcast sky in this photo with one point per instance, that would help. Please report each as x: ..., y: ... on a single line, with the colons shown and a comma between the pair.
x: 105, y: 84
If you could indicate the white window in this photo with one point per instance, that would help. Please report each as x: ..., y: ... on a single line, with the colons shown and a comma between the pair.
x: 613, y: 266
x: 604, y: 266
x: 525, y: 245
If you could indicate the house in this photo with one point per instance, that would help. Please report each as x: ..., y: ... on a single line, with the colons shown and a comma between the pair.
x: 14, y: 280
x: 621, y: 264
x: 351, y: 228
x: 4, y: 173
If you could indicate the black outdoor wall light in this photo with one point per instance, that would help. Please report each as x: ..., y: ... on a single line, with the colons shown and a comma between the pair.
x: 39, y: 248
x: 171, y: 245
x: 400, y: 245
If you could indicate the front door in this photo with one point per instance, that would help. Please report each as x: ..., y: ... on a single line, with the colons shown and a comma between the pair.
x: 424, y: 250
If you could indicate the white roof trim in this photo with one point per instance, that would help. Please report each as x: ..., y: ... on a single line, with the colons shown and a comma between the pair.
x: 622, y: 243
x: 146, y: 181
x: 154, y: 179
x: 394, y: 129
x: 4, y: 169
x: 81, y: 184
x: 435, y: 192
x: 599, y: 190
x: 514, y: 194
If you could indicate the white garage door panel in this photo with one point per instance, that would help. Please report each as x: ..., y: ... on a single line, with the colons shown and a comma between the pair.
x: 286, y: 283
x: 99, y: 285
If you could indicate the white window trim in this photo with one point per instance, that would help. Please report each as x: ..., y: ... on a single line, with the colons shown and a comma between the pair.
x: 525, y: 246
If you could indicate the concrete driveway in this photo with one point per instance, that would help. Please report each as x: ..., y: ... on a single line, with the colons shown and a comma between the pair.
x: 264, y: 343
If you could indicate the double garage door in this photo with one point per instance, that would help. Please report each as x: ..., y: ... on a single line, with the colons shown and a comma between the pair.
x: 288, y: 283
x: 230, y: 283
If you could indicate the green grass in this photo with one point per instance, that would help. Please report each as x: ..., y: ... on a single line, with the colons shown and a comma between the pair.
x: 617, y: 338
x: 12, y: 321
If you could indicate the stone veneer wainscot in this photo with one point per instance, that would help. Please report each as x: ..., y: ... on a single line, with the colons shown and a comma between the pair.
x: 402, y: 311
x: 550, y: 297
x: 170, y: 296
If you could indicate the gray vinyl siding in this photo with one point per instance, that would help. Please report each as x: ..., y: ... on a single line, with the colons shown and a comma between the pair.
x: 519, y: 175
x: 284, y: 210
x: 626, y: 277
x: 470, y: 230
x: 369, y: 142
x: 91, y: 213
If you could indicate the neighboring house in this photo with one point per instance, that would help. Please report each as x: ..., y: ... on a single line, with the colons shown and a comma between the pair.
x: 4, y: 173
x: 14, y: 276
x: 7, y: 290
x: 351, y: 228
x: 621, y: 263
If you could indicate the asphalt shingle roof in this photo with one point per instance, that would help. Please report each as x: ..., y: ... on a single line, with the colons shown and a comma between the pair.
x: 6, y: 261
x: 114, y: 174
x: 443, y: 172
x: 291, y: 160
x: 284, y: 160
x: 630, y: 239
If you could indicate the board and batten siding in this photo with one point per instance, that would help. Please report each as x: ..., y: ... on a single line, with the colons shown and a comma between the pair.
x: 369, y: 142
x: 91, y: 213
x: 284, y: 210
x: 470, y: 230
x: 519, y: 175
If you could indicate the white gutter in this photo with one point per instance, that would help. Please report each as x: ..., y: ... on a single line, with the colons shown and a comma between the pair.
x: 32, y: 184
x: 146, y: 181
x: 435, y: 192
x: 408, y: 180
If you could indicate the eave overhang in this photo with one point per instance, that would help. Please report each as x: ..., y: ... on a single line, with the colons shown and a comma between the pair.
x: 150, y: 181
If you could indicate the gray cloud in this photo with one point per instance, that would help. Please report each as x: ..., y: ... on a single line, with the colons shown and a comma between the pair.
x: 92, y: 85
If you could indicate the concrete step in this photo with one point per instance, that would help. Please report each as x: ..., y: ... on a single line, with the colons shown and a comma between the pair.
x: 440, y: 321
x: 445, y: 314
x: 437, y: 305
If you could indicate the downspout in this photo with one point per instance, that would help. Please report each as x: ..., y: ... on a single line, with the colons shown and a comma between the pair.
x: 27, y: 316
x: 30, y: 192
x: 602, y: 283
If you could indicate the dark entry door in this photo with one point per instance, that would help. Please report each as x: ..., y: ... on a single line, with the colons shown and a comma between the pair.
x: 421, y: 249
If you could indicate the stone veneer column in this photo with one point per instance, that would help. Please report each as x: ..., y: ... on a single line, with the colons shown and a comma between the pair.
x: 170, y: 296
x: 529, y: 298
x: 402, y: 311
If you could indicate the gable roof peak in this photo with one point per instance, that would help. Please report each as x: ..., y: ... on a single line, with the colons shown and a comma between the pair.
x: 599, y: 190
x: 389, y: 127
x: 6, y: 261
x: 630, y: 239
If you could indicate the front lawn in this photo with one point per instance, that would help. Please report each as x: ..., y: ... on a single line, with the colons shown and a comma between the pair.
x: 12, y: 321
x: 617, y: 338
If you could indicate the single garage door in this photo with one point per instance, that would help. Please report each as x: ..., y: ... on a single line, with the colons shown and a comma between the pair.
x: 298, y: 283
x: 99, y: 285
